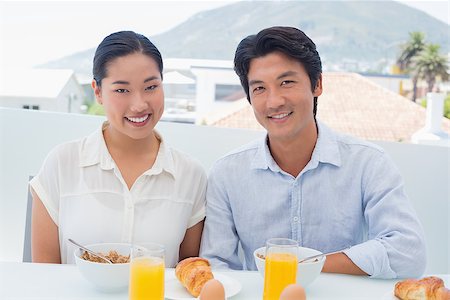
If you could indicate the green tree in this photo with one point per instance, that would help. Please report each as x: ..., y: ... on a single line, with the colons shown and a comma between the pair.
x: 430, y: 65
x: 412, y: 48
x: 96, y: 109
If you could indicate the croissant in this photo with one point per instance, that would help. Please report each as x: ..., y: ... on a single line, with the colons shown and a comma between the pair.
x: 428, y: 288
x: 193, y: 273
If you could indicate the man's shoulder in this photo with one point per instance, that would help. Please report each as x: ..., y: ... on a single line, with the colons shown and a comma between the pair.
x: 355, y: 144
x: 345, y: 142
x: 240, y: 155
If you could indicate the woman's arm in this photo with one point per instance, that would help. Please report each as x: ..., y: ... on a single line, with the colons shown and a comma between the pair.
x: 190, y: 245
x: 44, y: 234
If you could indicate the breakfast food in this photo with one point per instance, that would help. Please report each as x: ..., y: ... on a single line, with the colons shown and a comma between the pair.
x: 113, y: 256
x: 428, y: 288
x: 193, y: 273
x: 293, y: 291
x: 212, y: 290
x: 260, y: 256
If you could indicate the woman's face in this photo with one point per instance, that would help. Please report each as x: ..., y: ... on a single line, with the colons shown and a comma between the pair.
x: 132, y: 95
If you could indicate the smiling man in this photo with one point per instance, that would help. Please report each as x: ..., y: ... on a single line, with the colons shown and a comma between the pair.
x: 303, y: 181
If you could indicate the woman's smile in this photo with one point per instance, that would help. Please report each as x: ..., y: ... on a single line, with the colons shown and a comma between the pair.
x: 138, y: 121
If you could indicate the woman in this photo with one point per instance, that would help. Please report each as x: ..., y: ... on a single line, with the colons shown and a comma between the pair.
x: 122, y: 183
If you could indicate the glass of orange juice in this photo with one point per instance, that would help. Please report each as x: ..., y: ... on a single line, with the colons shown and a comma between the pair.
x: 147, y: 272
x: 280, y: 266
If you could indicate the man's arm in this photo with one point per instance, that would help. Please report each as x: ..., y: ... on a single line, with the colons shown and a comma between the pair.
x: 219, y: 241
x: 396, y: 244
x: 341, y: 263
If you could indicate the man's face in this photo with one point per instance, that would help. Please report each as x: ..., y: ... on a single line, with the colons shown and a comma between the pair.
x: 281, y: 96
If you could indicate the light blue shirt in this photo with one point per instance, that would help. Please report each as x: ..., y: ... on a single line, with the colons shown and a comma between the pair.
x: 350, y: 194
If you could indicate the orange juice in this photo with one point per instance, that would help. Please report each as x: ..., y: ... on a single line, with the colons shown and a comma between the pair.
x: 146, y: 278
x: 280, y: 271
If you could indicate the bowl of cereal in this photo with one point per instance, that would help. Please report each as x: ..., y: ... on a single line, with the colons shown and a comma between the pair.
x: 307, y: 271
x: 105, y: 276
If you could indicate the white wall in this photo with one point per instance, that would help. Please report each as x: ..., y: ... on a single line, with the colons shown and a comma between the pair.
x: 27, y: 136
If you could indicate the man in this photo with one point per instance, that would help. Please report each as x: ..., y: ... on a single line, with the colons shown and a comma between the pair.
x: 303, y: 181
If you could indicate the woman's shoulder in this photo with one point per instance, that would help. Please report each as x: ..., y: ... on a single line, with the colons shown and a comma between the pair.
x: 185, y: 161
x: 70, y: 149
x: 66, y: 148
x: 63, y: 156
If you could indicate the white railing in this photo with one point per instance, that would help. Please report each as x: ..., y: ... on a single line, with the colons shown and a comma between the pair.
x: 27, y: 136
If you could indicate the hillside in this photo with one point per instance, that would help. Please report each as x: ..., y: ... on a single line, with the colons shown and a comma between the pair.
x: 344, y: 31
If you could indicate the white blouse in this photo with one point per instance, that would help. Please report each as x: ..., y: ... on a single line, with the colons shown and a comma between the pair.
x: 88, y: 199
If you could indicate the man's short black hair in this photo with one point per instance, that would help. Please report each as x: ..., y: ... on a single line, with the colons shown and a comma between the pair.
x: 290, y: 41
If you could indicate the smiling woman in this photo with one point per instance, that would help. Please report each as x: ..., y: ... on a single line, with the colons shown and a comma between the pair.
x: 122, y: 182
x: 134, y: 104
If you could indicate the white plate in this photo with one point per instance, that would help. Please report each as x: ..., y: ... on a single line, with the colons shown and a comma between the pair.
x: 176, y: 291
x: 389, y: 296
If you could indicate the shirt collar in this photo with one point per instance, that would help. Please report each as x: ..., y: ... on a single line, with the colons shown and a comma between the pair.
x: 325, y: 151
x: 263, y: 158
x: 327, y: 147
x: 94, y: 151
x: 164, y: 159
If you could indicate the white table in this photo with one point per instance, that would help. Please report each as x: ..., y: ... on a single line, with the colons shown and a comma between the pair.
x: 48, y: 281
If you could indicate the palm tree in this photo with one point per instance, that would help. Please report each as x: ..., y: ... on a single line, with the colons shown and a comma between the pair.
x: 430, y: 65
x: 411, y: 49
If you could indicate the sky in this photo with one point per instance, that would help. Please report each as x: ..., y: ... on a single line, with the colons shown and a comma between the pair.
x: 439, y: 9
x: 35, y: 32
x: 28, y: 28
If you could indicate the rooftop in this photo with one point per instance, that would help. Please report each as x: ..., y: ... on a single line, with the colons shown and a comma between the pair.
x: 45, y: 83
x: 354, y: 105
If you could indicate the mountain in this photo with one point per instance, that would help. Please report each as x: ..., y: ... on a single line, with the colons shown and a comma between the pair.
x: 345, y: 32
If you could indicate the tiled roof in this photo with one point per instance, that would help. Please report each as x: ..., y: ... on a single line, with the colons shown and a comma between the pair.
x: 354, y: 105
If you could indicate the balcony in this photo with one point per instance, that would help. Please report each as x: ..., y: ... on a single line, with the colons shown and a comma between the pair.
x: 26, y: 137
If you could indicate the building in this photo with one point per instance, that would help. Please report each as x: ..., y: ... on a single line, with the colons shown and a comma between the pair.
x: 41, y: 89
x: 202, y: 87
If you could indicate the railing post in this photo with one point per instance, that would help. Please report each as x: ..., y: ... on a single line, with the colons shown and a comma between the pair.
x: 432, y: 133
